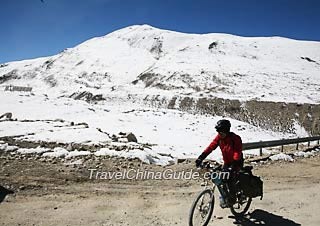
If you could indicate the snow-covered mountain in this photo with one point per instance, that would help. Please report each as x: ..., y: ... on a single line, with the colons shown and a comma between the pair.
x: 141, y: 56
x: 269, y: 88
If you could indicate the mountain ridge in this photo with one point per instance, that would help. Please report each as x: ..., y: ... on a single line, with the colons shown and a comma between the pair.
x: 142, y: 58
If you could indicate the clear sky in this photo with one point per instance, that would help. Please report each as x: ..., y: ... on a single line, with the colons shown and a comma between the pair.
x: 34, y: 28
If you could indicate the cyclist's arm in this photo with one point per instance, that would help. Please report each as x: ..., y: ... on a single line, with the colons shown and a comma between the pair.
x: 237, y: 152
x: 212, y: 146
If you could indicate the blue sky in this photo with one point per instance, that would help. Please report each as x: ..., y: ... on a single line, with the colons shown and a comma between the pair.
x: 32, y: 28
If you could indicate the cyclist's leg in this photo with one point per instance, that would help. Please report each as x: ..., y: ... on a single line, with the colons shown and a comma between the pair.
x: 231, y: 183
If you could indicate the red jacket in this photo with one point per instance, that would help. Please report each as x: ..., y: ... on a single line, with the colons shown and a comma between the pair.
x: 231, y: 147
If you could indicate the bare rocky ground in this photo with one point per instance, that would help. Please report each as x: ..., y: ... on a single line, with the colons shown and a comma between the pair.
x: 55, y: 192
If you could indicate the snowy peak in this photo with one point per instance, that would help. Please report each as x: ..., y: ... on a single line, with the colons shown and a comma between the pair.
x: 142, y: 57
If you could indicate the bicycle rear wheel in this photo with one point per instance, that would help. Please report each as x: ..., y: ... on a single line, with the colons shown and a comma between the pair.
x: 241, y: 206
x: 202, y: 208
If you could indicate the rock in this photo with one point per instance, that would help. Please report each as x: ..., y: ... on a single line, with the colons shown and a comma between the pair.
x: 7, y: 116
x: 87, y: 96
x: 70, y: 147
x: 131, y: 138
x: 114, y: 138
x: 181, y: 160
x: 218, y: 217
x: 83, y: 124
x: 22, y: 188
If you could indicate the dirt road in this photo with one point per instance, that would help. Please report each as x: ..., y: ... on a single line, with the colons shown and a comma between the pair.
x: 55, y: 193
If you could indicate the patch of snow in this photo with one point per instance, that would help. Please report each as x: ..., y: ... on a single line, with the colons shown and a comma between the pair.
x: 303, y: 154
x: 281, y: 156
x: 299, y: 130
x: 8, y: 148
x: 57, y: 153
x: 66, y: 135
x: 146, y: 156
x: 37, y: 150
x: 77, y: 162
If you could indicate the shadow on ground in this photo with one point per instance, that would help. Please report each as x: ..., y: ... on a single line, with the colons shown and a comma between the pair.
x: 4, y: 192
x: 261, y: 217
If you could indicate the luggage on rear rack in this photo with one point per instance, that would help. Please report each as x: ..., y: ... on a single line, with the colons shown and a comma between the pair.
x: 251, y: 185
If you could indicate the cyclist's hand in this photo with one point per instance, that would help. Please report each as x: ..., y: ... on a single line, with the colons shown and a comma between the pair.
x: 200, y: 159
x: 198, y: 162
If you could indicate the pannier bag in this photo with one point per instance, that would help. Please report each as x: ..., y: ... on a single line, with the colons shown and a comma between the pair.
x: 252, y: 186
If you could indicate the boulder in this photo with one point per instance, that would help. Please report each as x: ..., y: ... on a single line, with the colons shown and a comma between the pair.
x: 131, y: 137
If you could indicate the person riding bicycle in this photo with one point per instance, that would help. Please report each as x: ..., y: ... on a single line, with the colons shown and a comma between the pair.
x: 231, y: 148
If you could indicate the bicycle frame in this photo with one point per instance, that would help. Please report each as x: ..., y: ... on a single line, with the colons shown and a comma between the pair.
x: 214, y: 183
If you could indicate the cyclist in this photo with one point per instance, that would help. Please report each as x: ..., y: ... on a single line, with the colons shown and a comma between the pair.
x: 231, y: 148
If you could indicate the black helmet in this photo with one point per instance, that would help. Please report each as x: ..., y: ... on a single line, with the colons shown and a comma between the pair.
x: 223, y: 125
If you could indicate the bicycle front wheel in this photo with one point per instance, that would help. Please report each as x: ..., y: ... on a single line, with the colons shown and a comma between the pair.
x: 202, y: 208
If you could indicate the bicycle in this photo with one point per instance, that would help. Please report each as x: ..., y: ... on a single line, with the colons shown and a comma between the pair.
x: 203, y: 205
